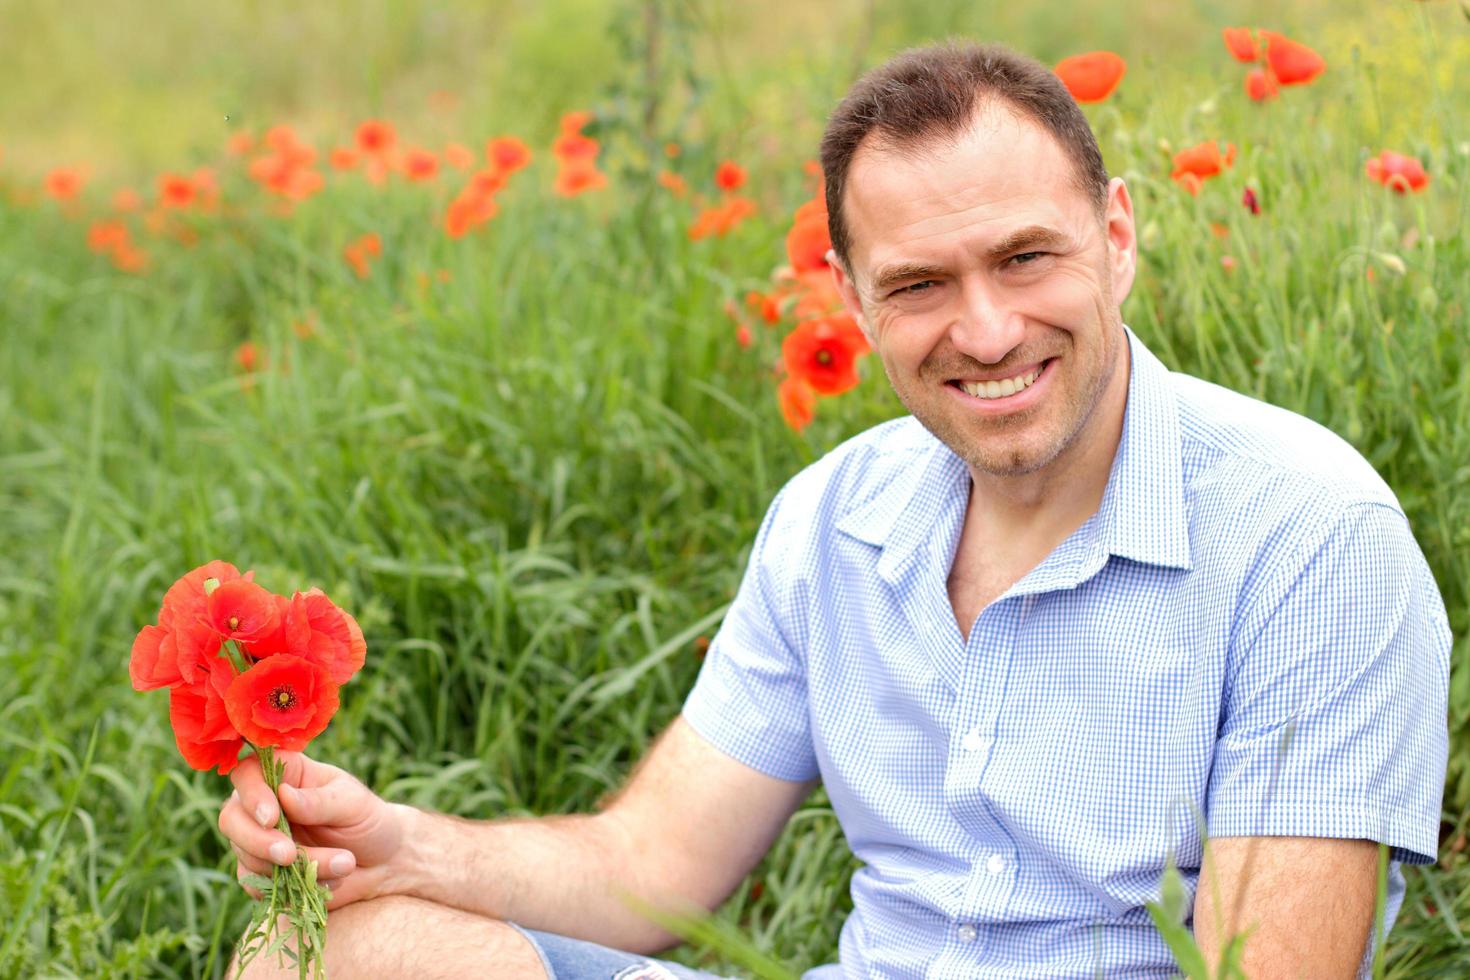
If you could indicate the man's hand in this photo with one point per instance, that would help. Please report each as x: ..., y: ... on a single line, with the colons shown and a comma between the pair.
x: 351, y: 833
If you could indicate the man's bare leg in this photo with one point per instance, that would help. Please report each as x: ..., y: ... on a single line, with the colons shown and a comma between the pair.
x: 398, y: 936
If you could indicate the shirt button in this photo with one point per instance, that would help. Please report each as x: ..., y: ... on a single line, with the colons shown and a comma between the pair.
x: 973, y: 741
x: 996, y: 864
x: 967, y: 933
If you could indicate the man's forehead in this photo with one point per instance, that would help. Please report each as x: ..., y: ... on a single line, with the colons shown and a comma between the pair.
x: 1002, y: 177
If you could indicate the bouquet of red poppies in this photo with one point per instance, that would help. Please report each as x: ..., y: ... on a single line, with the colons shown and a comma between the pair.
x: 246, y: 666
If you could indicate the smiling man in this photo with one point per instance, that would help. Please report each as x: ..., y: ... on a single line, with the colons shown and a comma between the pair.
x: 1036, y: 640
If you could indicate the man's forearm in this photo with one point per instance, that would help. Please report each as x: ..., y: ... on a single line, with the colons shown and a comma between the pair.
x: 563, y: 874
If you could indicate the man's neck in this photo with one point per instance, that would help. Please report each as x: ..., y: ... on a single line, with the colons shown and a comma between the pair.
x: 1058, y: 498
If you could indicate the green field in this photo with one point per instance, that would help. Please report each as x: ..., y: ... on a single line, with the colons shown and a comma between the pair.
x: 532, y: 460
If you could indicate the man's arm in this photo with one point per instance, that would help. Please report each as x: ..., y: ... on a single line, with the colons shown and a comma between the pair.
x: 1308, y: 902
x: 688, y: 826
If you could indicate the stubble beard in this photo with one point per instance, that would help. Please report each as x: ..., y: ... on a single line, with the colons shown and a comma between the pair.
x: 1033, y: 442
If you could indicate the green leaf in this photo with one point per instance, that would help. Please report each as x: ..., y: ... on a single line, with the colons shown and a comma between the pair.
x: 1180, y: 942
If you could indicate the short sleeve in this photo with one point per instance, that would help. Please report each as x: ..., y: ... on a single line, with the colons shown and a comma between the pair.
x: 1333, y: 722
x: 750, y: 700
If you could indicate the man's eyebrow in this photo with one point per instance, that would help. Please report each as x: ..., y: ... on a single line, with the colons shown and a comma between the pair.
x: 892, y: 275
x: 1025, y: 239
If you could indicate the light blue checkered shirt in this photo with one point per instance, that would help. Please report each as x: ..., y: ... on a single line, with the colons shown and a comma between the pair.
x: 1013, y: 796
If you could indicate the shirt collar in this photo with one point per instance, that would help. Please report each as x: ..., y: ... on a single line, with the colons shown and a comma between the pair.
x: 1142, y: 516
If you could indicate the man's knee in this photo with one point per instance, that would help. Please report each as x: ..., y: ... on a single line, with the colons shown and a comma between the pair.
x: 401, y: 936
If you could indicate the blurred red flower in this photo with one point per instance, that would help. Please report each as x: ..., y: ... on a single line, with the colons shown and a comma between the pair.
x: 1240, y: 43
x: 1093, y: 76
x: 175, y: 191
x: 376, y: 136
x: 673, y: 183
x: 240, y: 143
x: 1198, y: 163
x: 798, y: 402
x: 64, y: 183
x: 1292, y: 62
x: 1398, y: 172
x: 722, y: 218
x: 359, y: 250
x: 729, y: 176
x: 247, y: 356
x: 507, y: 154
x: 823, y: 352
x: 419, y: 164
x: 574, y: 180
x: 808, y: 241
x: 282, y: 701
x: 105, y: 236
x: 1261, y: 85
x: 1252, y: 204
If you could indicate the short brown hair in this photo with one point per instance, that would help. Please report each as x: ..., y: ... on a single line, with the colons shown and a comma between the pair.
x: 933, y: 92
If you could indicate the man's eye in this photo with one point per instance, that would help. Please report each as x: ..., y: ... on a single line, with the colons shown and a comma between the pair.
x: 916, y: 287
x: 1026, y: 257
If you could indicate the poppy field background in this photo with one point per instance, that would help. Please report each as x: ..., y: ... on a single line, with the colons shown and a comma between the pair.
x: 531, y: 456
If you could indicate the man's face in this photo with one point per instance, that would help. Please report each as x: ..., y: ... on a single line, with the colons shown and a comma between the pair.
x: 989, y: 287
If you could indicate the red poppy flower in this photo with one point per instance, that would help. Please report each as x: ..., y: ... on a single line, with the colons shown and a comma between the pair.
x: 1196, y: 164
x: 578, y: 179
x: 419, y: 164
x: 742, y: 336
x: 507, y: 154
x: 574, y: 147
x: 190, y: 642
x: 247, y: 356
x: 729, y: 176
x: 1093, y: 76
x: 126, y: 258
x: 721, y: 219
x: 1240, y: 43
x: 282, y: 701
x: 1292, y: 62
x: 1251, y: 203
x: 242, y: 611
x: 203, y: 741
x: 808, y: 241
x: 343, y: 158
x: 768, y: 306
x: 1398, y: 172
x: 175, y: 191
x: 798, y: 402
x: 104, y: 236
x: 574, y: 121
x: 376, y: 137
x: 1261, y: 85
x: 147, y: 667
x: 673, y: 183
x: 823, y: 352
x: 64, y: 183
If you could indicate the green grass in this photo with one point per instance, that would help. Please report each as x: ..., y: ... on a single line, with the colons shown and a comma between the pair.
x: 535, y: 483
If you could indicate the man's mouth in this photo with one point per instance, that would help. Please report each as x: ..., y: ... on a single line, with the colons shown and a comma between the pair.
x: 1003, y: 387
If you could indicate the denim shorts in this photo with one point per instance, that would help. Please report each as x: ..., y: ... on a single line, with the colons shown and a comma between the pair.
x: 574, y: 959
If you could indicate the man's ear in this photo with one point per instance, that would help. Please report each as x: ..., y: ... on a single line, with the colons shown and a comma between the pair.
x: 848, y: 291
x: 1122, y: 238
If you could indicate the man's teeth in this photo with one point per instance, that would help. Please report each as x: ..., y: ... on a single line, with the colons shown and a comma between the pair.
x: 999, y: 389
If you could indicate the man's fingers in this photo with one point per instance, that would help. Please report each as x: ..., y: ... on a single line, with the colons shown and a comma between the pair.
x: 254, y: 795
x: 240, y: 873
x: 250, y: 862
x: 337, y: 803
x: 331, y: 862
x: 242, y: 829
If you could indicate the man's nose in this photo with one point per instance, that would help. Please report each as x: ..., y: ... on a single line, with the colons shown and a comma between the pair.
x: 986, y: 326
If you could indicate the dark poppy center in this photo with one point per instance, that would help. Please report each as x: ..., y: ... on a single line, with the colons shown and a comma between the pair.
x: 283, y: 698
x: 824, y: 357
